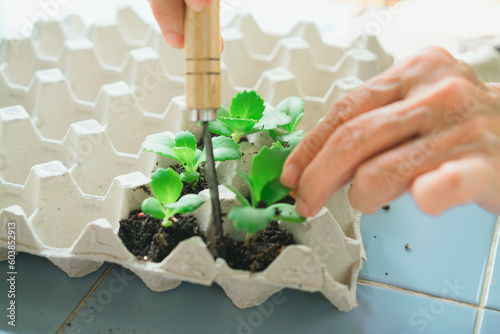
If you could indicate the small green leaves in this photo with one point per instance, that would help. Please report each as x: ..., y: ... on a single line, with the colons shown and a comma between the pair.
x: 183, y: 149
x: 286, y: 212
x: 190, y: 176
x: 291, y: 139
x: 225, y: 149
x: 245, y: 111
x: 153, y: 207
x: 292, y: 106
x: 245, y: 116
x: 264, y: 185
x: 185, y: 139
x: 238, y: 125
x: 166, y: 185
x: 266, y: 168
x: 160, y: 143
x: 247, y: 105
x: 185, y: 156
x: 186, y: 203
x: 273, y: 191
x: 218, y: 126
x: 250, y: 220
x: 271, y: 120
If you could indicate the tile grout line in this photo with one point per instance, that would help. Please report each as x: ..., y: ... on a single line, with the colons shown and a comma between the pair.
x: 85, y: 298
x: 416, y: 293
x: 487, y: 278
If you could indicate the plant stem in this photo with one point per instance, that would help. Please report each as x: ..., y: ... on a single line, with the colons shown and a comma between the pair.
x: 236, y: 138
x: 248, y: 237
x: 166, y: 222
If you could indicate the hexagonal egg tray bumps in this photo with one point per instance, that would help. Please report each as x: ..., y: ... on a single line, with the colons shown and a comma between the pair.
x: 75, y: 105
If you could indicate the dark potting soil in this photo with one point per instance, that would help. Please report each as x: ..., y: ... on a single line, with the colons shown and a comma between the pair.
x: 288, y: 200
x: 193, y: 188
x: 264, y: 248
x: 146, y: 238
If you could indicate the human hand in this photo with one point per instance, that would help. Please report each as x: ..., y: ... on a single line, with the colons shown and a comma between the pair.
x: 170, y: 17
x: 426, y: 125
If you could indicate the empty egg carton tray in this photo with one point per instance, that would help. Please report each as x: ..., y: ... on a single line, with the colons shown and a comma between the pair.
x: 75, y: 105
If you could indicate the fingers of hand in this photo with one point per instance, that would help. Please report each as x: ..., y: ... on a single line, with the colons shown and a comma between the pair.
x: 170, y: 17
x: 378, y: 92
x: 435, y: 63
x: 354, y: 142
x: 458, y: 182
x: 391, y: 173
x: 199, y: 5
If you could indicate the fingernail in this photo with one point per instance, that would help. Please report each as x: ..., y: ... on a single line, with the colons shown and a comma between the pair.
x: 302, y: 208
x: 175, y: 40
x: 198, y: 4
x: 290, y: 176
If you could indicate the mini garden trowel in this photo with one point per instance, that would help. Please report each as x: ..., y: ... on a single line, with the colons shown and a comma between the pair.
x: 203, y: 87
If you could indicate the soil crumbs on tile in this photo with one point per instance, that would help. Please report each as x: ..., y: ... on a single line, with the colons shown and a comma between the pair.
x: 264, y: 247
x: 146, y: 238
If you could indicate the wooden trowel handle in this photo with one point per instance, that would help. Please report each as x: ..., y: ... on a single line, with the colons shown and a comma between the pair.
x: 203, y: 47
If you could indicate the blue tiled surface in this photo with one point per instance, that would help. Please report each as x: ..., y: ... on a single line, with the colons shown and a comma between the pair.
x: 447, y: 256
x: 45, y: 295
x: 194, y: 309
x: 491, y: 322
x: 493, y: 300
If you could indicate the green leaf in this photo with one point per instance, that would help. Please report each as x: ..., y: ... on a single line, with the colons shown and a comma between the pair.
x: 271, y: 120
x: 239, y: 195
x: 266, y: 167
x: 225, y: 149
x: 153, y: 207
x: 166, y: 185
x: 286, y: 212
x: 292, y: 106
x: 277, y: 144
x: 190, y: 176
x: 274, y: 191
x: 247, y: 105
x: 199, y: 158
x: 186, y: 203
x: 185, y: 139
x: 163, y: 138
x: 249, y: 183
x: 223, y: 112
x: 186, y: 155
x: 291, y: 139
x: 218, y: 126
x: 238, y: 125
x: 250, y: 220
x: 160, y: 143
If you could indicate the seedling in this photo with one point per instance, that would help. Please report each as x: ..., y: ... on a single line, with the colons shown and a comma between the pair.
x: 288, y: 134
x: 182, y: 148
x: 265, y: 190
x: 245, y: 116
x: 166, y: 185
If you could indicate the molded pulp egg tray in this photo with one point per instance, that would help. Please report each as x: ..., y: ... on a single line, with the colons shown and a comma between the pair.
x: 75, y: 105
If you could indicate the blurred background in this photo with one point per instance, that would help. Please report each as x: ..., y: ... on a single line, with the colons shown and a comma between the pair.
x: 403, y: 27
